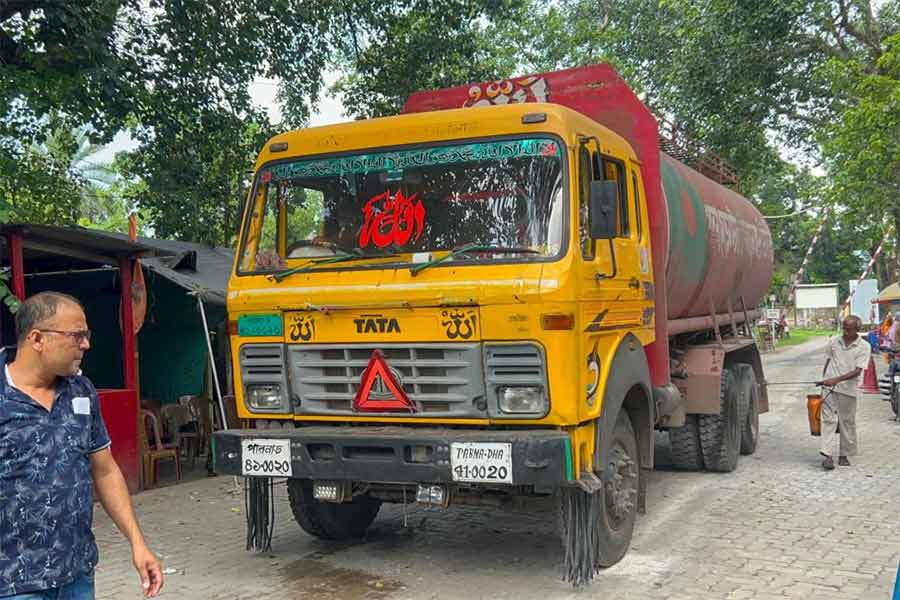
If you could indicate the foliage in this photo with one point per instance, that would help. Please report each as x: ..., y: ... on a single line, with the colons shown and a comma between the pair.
x: 800, y: 336
x: 193, y: 175
x: 862, y: 146
x: 177, y: 73
x: 395, y: 48
x: 198, y: 130
x: 38, y: 183
x: 83, y: 57
x: 757, y: 81
x: 734, y: 74
x: 7, y: 298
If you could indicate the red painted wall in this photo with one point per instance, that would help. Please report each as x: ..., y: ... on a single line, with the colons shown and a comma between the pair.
x: 120, y: 413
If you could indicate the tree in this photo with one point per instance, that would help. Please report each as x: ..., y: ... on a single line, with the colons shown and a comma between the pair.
x: 395, y: 48
x: 198, y: 130
x: 80, y: 56
x: 760, y: 82
x: 176, y: 72
x: 733, y: 74
x: 862, y: 146
x: 194, y: 175
x: 37, y: 180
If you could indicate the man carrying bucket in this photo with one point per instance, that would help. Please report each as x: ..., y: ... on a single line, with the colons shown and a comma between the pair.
x: 847, y: 356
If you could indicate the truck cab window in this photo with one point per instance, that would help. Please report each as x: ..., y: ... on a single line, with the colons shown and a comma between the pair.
x: 586, y: 167
x: 638, y: 226
x: 613, y: 170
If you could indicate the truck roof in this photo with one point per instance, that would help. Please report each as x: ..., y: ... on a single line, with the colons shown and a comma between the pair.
x: 444, y: 125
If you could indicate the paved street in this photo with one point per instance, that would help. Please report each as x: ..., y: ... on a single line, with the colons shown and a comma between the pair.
x: 777, y: 527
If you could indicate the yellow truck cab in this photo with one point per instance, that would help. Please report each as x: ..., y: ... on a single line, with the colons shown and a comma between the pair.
x: 449, y: 305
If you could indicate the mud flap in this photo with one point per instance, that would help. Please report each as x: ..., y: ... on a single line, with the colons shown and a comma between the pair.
x: 642, y: 491
x: 590, y: 483
x: 259, y: 505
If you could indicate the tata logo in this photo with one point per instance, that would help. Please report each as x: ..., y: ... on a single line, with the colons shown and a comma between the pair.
x: 380, y: 388
x: 376, y: 324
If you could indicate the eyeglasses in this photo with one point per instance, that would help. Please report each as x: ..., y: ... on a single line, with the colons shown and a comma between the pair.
x: 78, y: 336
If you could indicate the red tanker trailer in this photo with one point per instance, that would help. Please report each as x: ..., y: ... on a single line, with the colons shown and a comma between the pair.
x: 712, y: 262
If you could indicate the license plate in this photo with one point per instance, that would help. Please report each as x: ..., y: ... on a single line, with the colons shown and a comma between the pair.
x: 481, y: 462
x: 266, y: 458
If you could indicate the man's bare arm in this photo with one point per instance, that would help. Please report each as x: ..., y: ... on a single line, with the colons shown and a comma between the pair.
x: 113, y: 495
x: 833, y: 381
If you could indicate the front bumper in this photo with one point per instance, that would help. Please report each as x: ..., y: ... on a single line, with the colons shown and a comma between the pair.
x: 384, y: 454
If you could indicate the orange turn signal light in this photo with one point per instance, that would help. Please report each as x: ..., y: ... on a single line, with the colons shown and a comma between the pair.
x: 232, y: 327
x: 557, y: 321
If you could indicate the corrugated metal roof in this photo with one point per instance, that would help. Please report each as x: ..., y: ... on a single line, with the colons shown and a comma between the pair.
x: 196, y: 267
x: 48, y: 247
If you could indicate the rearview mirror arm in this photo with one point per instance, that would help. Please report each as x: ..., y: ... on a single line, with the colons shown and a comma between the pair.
x: 615, y: 269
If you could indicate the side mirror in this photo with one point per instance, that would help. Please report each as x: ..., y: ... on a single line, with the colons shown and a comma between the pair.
x: 603, y: 210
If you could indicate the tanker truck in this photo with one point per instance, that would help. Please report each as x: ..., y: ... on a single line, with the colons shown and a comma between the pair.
x: 501, y: 294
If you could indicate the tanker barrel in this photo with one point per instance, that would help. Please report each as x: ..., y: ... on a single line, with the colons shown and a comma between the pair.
x: 720, y: 249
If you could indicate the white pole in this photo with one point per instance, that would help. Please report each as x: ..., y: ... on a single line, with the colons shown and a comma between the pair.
x: 212, y: 361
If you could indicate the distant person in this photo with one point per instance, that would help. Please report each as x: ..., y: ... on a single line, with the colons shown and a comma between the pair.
x: 886, y: 326
x: 892, y: 339
x: 846, y: 356
x: 874, y: 340
x: 54, y: 457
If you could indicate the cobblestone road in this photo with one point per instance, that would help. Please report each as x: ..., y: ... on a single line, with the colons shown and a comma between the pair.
x: 777, y: 527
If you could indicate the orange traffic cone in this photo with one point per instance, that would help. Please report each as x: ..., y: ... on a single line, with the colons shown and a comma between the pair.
x: 870, y: 379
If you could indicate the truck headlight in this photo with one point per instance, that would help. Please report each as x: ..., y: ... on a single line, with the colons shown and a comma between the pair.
x: 523, y: 400
x: 264, y: 396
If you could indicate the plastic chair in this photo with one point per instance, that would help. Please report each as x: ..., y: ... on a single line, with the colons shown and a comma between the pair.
x: 153, y: 450
x: 199, y: 408
x: 177, y: 420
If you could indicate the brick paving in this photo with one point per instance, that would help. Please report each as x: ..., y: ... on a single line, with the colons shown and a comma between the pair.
x: 777, y: 527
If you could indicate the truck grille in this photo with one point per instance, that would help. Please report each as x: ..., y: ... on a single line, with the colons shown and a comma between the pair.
x: 443, y: 380
x: 512, y: 364
x: 264, y: 364
x: 261, y: 362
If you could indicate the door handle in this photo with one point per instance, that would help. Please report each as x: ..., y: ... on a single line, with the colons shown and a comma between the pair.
x: 634, y: 283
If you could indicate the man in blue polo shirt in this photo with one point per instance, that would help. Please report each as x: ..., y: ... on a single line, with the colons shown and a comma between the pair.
x: 54, y: 454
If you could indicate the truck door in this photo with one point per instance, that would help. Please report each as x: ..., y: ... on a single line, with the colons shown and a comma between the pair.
x: 611, y: 270
x: 612, y: 298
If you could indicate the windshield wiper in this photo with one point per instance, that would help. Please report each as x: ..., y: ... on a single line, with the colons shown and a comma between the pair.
x: 318, y: 262
x: 415, y: 269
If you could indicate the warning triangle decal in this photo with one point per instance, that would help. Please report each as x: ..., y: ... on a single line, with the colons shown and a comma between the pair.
x: 379, y: 390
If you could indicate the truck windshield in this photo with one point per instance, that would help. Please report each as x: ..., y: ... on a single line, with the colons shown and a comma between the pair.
x: 500, y: 194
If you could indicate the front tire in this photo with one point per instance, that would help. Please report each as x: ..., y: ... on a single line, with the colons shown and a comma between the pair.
x: 621, y: 477
x: 329, y: 521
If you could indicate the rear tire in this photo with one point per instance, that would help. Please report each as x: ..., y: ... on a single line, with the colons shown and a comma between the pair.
x: 720, y: 435
x: 684, y: 443
x: 749, y: 394
x: 329, y: 521
x: 619, y: 506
